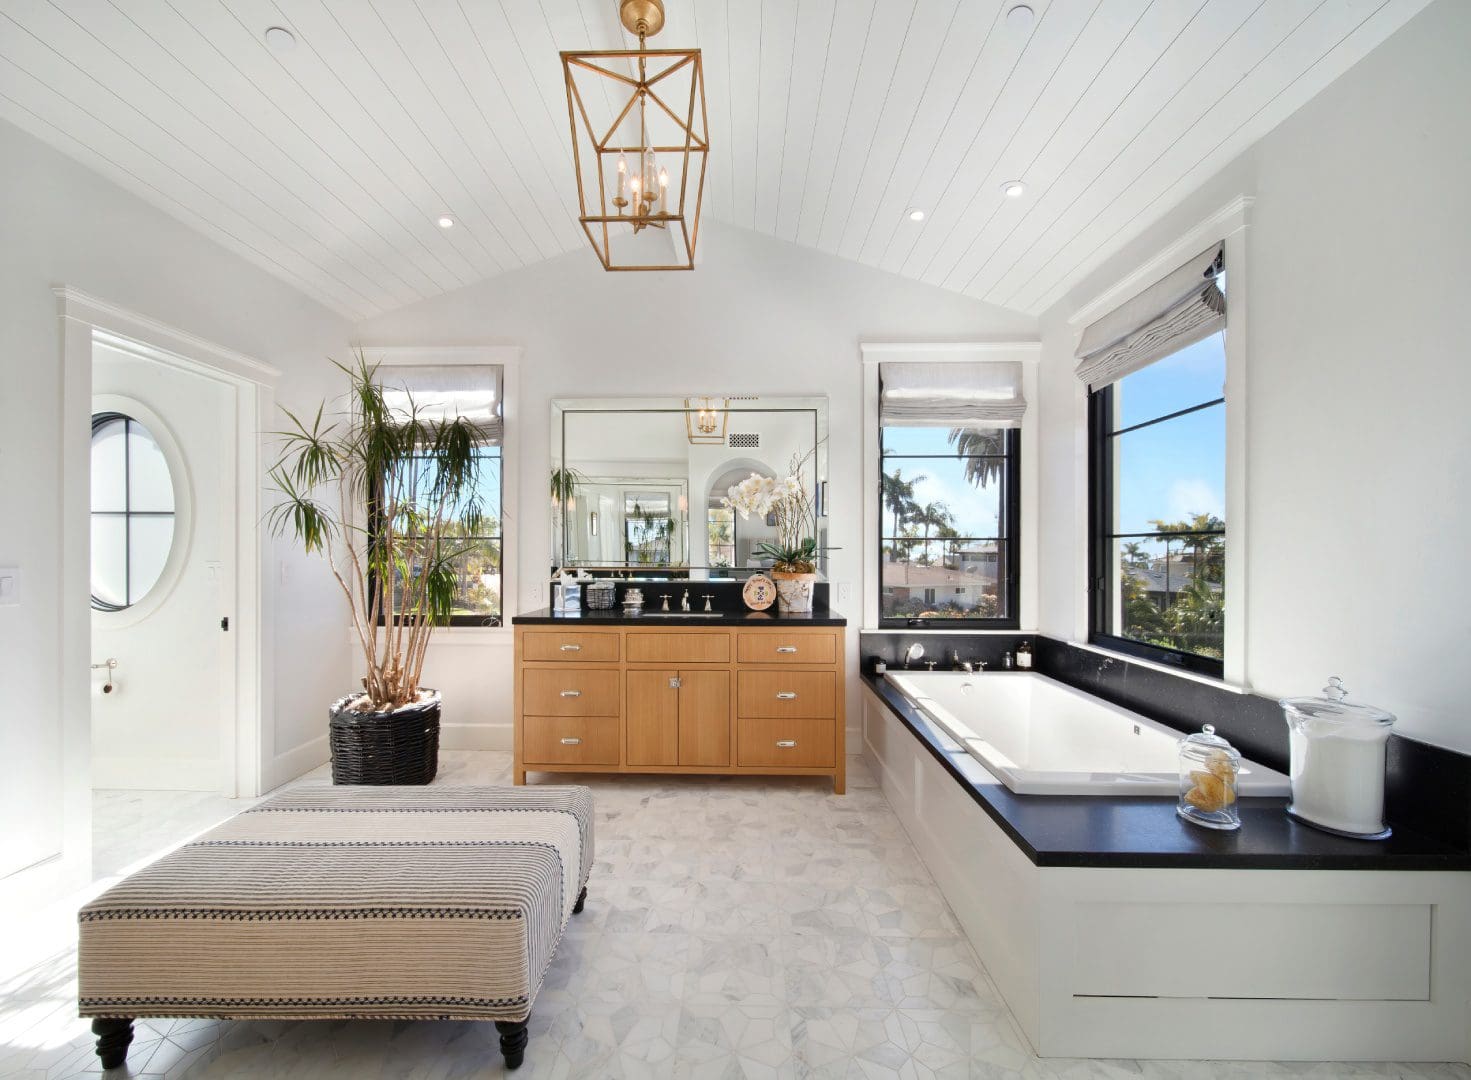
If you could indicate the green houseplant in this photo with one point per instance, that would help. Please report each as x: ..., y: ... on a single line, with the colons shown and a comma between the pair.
x: 383, y: 491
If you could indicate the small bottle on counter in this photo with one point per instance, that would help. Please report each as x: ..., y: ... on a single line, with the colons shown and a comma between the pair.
x: 1208, y: 768
x: 1024, y: 656
x: 1008, y: 661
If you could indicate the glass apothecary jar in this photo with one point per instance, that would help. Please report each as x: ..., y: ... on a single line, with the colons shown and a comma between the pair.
x: 1338, y: 750
x: 1208, y: 768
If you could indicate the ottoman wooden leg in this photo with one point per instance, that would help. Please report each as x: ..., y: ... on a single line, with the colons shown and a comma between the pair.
x: 513, y: 1041
x: 581, y: 900
x: 113, y: 1037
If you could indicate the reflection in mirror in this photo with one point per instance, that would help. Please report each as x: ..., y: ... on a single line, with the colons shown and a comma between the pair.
x: 638, y: 485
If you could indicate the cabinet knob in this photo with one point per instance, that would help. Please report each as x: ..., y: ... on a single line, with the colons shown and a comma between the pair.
x: 785, y: 744
x: 786, y: 648
x: 571, y: 742
x: 571, y: 693
x: 571, y: 648
x: 786, y: 695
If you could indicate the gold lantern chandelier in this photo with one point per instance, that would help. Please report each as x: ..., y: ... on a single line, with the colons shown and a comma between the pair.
x: 703, y: 422
x: 640, y: 141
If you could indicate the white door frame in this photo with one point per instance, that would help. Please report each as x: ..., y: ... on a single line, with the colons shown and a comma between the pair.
x: 85, y: 320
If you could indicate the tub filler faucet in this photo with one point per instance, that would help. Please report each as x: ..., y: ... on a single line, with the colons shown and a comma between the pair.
x: 957, y: 664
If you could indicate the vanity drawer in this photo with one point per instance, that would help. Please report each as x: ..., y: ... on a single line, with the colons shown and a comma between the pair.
x: 570, y: 740
x: 805, y: 647
x: 646, y: 647
x: 569, y: 645
x: 786, y: 694
x: 797, y: 742
x: 569, y: 692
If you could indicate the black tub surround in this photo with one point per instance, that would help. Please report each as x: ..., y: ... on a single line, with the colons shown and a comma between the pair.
x: 1122, y: 831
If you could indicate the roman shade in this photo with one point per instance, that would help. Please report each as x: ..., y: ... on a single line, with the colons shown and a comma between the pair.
x: 959, y: 395
x: 440, y: 392
x: 1183, y: 308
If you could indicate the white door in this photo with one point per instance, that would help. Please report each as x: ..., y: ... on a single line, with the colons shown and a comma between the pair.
x: 163, y: 575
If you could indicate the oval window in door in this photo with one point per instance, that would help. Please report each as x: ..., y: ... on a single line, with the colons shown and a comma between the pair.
x: 132, y: 511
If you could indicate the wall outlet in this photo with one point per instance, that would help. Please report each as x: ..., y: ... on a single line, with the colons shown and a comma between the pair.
x: 845, y: 591
x: 9, y: 586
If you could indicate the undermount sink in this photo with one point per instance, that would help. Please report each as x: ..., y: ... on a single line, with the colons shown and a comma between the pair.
x: 680, y: 615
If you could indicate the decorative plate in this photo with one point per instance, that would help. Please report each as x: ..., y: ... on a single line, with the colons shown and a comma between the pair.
x: 759, y: 592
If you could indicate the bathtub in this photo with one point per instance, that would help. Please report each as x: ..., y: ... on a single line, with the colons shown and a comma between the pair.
x: 1041, y: 737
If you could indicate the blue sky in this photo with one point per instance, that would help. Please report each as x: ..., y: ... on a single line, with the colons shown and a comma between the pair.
x: 1171, y: 470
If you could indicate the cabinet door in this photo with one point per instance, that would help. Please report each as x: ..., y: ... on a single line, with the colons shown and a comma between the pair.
x: 704, y: 718
x: 652, y: 717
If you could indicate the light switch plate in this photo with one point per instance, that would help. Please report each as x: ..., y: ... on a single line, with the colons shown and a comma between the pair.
x: 9, y: 586
x: 845, y: 592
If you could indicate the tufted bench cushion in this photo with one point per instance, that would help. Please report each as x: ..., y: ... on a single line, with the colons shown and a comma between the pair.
x: 347, y: 902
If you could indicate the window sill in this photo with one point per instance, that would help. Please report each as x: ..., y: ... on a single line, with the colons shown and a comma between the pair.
x: 1154, y: 665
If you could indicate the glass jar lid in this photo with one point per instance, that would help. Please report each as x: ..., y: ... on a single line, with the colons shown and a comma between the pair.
x: 1333, y: 707
x: 1207, y: 739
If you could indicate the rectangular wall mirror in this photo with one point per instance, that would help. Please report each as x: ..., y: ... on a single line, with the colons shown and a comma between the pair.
x: 636, y: 483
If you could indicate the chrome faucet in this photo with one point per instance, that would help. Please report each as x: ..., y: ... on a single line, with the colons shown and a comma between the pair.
x: 665, y: 599
x: 684, y: 601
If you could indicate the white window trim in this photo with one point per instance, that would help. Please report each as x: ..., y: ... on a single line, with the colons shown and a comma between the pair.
x: 1029, y: 353
x: 508, y: 357
x: 1231, y: 224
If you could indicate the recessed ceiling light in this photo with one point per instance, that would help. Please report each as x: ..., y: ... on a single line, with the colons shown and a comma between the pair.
x: 446, y: 222
x: 280, y: 39
x: 1013, y: 189
x: 916, y: 214
x: 1020, y: 18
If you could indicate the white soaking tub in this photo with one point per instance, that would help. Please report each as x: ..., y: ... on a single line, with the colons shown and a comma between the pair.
x: 1041, y: 737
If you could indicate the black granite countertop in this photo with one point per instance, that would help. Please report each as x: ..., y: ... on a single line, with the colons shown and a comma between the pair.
x: 615, y: 617
x: 1113, y: 831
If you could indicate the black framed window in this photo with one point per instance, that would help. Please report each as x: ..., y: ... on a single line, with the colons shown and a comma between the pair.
x: 949, y: 518
x: 478, y: 599
x: 132, y: 511
x: 1157, y: 510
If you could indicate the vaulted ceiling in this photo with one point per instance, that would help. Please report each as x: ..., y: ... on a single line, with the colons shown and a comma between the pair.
x: 329, y: 164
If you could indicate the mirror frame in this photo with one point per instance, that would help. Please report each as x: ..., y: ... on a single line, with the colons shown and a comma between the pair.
x: 563, y: 408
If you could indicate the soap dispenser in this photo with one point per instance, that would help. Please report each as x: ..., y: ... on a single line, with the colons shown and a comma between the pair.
x: 1208, y: 768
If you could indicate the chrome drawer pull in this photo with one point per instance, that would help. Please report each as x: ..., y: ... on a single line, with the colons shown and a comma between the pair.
x: 786, y: 695
x: 571, y: 693
x: 571, y: 648
x: 786, y: 648
x: 571, y: 742
x: 786, y: 744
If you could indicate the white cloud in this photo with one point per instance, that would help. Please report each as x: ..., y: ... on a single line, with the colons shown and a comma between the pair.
x: 1190, y: 497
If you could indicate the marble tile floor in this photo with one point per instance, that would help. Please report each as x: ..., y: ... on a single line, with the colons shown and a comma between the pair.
x: 735, y: 927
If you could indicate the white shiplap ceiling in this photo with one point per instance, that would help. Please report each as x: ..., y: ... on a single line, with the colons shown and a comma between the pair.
x: 829, y: 119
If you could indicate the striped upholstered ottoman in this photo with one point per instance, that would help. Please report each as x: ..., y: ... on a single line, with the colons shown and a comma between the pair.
x: 346, y: 903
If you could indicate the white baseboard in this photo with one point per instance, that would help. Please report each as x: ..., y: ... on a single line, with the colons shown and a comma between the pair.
x: 293, y: 763
x: 476, y: 736
x: 156, y: 774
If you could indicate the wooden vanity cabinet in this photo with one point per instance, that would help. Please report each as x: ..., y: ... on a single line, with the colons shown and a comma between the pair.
x: 720, y: 700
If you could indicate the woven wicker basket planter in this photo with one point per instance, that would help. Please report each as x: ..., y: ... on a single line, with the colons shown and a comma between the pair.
x: 399, y: 747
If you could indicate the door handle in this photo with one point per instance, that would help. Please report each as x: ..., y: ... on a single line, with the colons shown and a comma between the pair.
x: 787, y: 744
x: 786, y: 695
x: 571, y: 742
x: 674, y: 683
x: 571, y: 693
x: 786, y: 648
x: 571, y: 648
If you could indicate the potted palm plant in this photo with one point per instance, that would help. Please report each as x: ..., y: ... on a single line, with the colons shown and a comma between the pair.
x: 383, y: 491
x: 793, y: 556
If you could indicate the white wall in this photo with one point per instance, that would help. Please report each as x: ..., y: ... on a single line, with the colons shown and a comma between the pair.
x: 759, y: 316
x: 61, y: 224
x: 1359, y: 445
